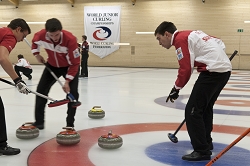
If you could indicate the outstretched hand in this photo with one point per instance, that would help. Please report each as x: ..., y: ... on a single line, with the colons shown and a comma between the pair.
x: 40, y: 58
x: 21, y: 86
x: 173, y: 95
x: 66, y: 87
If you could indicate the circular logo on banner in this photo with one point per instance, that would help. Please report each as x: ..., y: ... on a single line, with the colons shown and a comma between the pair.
x: 102, y: 33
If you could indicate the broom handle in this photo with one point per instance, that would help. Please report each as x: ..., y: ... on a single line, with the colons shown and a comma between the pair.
x: 228, y: 147
x: 70, y: 96
x: 36, y: 93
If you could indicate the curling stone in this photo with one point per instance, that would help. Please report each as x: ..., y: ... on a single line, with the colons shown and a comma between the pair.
x: 96, y: 113
x: 68, y: 137
x: 110, y: 141
x: 27, y: 131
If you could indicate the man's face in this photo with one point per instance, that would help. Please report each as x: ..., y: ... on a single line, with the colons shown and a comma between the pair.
x: 20, y: 34
x: 164, y: 40
x: 55, y: 36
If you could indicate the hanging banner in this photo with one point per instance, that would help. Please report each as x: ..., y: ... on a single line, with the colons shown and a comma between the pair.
x: 102, y: 28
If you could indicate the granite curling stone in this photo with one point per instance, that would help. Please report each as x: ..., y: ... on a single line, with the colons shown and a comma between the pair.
x: 110, y: 141
x: 27, y: 131
x: 68, y: 137
x: 96, y: 113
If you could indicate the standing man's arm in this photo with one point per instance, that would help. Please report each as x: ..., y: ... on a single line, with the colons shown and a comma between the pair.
x: 8, y: 68
x: 6, y: 64
x: 35, y: 48
x: 74, y: 57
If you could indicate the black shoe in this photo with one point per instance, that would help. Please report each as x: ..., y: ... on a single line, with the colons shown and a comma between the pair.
x: 81, y: 75
x: 29, y: 77
x: 211, y: 146
x: 39, y: 126
x: 7, y: 150
x: 196, y: 156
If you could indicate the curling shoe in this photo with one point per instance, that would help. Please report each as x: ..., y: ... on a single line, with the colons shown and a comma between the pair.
x: 197, y: 156
x: 39, y: 126
x: 7, y: 150
x: 211, y: 146
x: 29, y: 77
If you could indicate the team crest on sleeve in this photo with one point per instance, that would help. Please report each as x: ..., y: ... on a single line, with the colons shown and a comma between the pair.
x: 179, y: 53
x: 76, y: 53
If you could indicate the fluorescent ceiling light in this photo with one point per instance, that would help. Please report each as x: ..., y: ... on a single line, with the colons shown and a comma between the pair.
x: 27, y: 23
x: 144, y: 33
x: 115, y: 44
x: 246, y: 21
x: 122, y: 44
x: 30, y: 0
x: 4, y: 22
x: 36, y: 22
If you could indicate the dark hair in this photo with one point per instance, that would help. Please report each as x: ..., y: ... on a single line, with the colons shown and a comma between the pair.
x: 20, y: 56
x: 53, y: 25
x: 18, y: 22
x: 84, y: 36
x: 165, y: 26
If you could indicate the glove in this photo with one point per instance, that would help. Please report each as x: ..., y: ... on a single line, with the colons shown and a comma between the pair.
x: 173, y: 95
x: 21, y: 86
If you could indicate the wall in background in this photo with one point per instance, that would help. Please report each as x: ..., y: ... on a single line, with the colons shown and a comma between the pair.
x: 220, y: 18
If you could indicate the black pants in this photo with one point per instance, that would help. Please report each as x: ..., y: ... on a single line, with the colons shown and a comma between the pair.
x: 84, y: 64
x: 44, y: 86
x: 199, y: 109
x: 26, y: 71
x: 3, y: 133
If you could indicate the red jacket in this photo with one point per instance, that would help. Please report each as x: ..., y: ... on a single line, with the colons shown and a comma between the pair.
x: 7, y: 38
x: 64, y: 54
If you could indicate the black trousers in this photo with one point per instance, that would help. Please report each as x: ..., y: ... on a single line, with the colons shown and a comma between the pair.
x: 24, y: 70
x: 3, y: 133
x: 44, y: 86
x: 199, y: 108
x: 84, y: 64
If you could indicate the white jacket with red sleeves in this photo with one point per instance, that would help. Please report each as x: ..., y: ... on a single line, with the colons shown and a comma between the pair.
x: 197, y: 49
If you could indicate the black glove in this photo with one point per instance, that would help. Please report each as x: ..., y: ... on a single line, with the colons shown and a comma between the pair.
x: 173, y: 95
x: 21, y: 86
